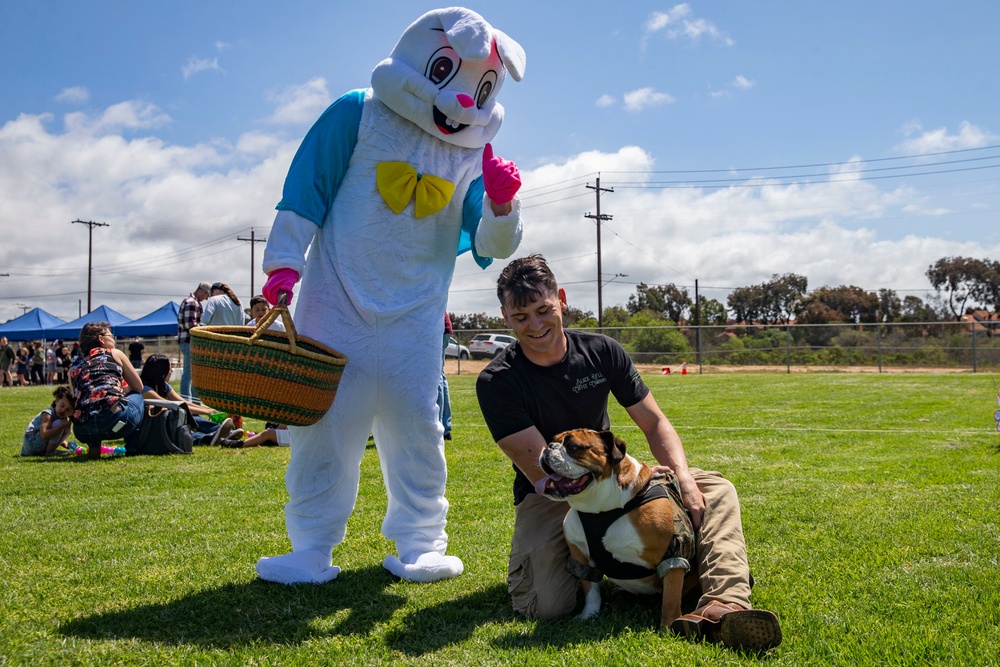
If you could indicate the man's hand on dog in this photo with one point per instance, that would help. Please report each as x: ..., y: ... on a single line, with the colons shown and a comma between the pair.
x: 694, y: 501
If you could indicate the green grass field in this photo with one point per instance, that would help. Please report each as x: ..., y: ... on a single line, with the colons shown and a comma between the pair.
x: 869, y: 503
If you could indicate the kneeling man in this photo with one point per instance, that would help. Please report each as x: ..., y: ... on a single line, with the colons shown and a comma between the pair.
x: 556, y: 379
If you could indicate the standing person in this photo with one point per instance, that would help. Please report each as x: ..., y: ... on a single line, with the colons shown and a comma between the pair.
x: 106, y: 389
x: 7, y: 357
x: 443, y: 397
x: 50, y: 362
x: 135, y: 350
x: 38, y: 364
x: 556, y: 379
x: 222, y: 308
x: 189, y: 317
x: 23, y: 366
x: 388, y: 187
x: 63, y: 362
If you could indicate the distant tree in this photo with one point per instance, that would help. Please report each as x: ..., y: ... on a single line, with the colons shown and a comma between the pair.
x: 845, y: 303
x: 890, y: 307
x: 651, y: 338
x: 573, y: 316
x: 986, y: 289
x: 669, y: 301
x: 986, y: 285
x: 957, y: 277
x: 747, y: 303
x: 781, y: 297
x: 476, y: 321
x: 711, y: 312
x: 913, y: 309
x: 615, y: 316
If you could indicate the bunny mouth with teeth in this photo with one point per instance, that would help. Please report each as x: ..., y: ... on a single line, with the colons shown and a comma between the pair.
x: 447, y: 125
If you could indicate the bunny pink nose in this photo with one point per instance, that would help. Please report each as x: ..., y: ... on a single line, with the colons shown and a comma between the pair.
x: 465, y: 100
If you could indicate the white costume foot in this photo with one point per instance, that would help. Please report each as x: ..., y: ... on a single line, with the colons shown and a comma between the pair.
x: 298, y: 567
x: 425, y: 568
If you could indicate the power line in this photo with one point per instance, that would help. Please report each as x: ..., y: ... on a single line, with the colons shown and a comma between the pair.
x: 915, y: 156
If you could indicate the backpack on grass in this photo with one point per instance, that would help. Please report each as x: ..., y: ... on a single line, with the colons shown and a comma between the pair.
x: 166, y: 429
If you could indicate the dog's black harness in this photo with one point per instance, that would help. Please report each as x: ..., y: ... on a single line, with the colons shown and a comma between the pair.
x: 595, y: 525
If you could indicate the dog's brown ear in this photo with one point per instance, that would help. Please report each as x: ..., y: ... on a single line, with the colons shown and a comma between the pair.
x: 613, y: 447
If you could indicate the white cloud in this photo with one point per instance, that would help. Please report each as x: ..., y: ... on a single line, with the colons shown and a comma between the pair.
x: 678, y: 23
x: 176, y: 211
x: 197, y: 65
x: 739, y: 83
x: 643, y: 98
x: 130, y: 115
x: 605, y: 101
x: 73, y: 95
x: 301, y: 104
x: 919, y: 141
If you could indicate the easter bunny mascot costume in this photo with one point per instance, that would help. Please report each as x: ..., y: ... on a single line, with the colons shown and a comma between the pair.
x: 388, y: 187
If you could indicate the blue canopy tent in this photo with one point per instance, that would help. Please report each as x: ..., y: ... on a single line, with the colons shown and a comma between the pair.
x: 160, y: 322
x: 71, y: 330
x: 34, y: 324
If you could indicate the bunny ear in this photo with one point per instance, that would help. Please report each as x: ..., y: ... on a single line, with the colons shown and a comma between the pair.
x: 511, y: 54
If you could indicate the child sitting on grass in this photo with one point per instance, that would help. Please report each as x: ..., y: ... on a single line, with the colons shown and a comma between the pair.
x: 50, y: 427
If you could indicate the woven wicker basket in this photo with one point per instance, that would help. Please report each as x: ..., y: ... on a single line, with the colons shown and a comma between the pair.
x: 266, y: 374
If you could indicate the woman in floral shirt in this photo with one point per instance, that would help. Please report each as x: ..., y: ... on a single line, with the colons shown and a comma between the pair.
x: 107, y: 388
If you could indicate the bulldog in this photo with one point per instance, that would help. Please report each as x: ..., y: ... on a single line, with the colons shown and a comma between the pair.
x: 624, y: 522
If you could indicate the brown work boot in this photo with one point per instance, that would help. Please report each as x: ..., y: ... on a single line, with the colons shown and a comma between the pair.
x: 732, y: 625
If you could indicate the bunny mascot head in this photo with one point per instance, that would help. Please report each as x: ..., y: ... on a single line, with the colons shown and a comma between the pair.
x: 387, y: 188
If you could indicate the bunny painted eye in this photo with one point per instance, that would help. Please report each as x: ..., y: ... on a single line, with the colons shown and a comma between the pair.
x: 486, y: 86
x: 442, y: 66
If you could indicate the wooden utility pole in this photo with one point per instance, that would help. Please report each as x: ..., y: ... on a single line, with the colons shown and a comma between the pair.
x: 599, y: 218
x: 253, y: 240
x: 90, y: 251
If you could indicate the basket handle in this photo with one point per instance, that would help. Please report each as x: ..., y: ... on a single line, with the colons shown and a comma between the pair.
x: 280, y: 309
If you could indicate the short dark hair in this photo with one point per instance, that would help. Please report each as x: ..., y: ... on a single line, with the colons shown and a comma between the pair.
x: 524, y: 280
x: 90, y: 335
x: 258, y: 299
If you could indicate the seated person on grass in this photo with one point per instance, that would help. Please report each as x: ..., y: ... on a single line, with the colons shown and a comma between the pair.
x: 51, y: 427
x: 156, y: 387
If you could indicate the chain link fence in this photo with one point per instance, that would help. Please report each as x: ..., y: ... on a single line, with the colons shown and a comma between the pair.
x: 886, y: 347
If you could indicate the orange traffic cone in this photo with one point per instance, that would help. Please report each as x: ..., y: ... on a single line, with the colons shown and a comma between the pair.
x: 684, y: 368
x: 666, y: 370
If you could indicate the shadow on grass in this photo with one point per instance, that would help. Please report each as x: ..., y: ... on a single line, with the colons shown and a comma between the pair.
x: 357, y: 603
x: 257, y: 611
x: 452, y: 622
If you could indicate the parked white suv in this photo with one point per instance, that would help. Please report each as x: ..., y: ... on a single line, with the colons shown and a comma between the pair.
x: 456, y: 350
x: 487, y: 346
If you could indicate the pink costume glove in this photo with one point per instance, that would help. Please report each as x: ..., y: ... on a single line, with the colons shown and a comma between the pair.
x: 500, y: 177
x: 280, y: 280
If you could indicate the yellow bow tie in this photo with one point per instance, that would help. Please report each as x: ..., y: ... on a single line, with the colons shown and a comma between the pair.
x: 398, y: 182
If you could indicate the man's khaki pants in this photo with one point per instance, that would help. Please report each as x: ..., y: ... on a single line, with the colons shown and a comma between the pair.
x: 540, y: 587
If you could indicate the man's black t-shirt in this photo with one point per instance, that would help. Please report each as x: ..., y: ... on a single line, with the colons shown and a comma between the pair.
x: 515, y: 394
x: 135, y: 349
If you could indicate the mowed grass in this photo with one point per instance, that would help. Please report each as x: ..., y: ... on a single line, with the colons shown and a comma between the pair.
x: 869, y: 504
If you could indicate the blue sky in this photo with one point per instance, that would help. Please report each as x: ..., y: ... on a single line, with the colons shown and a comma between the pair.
x: 851, y: 142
